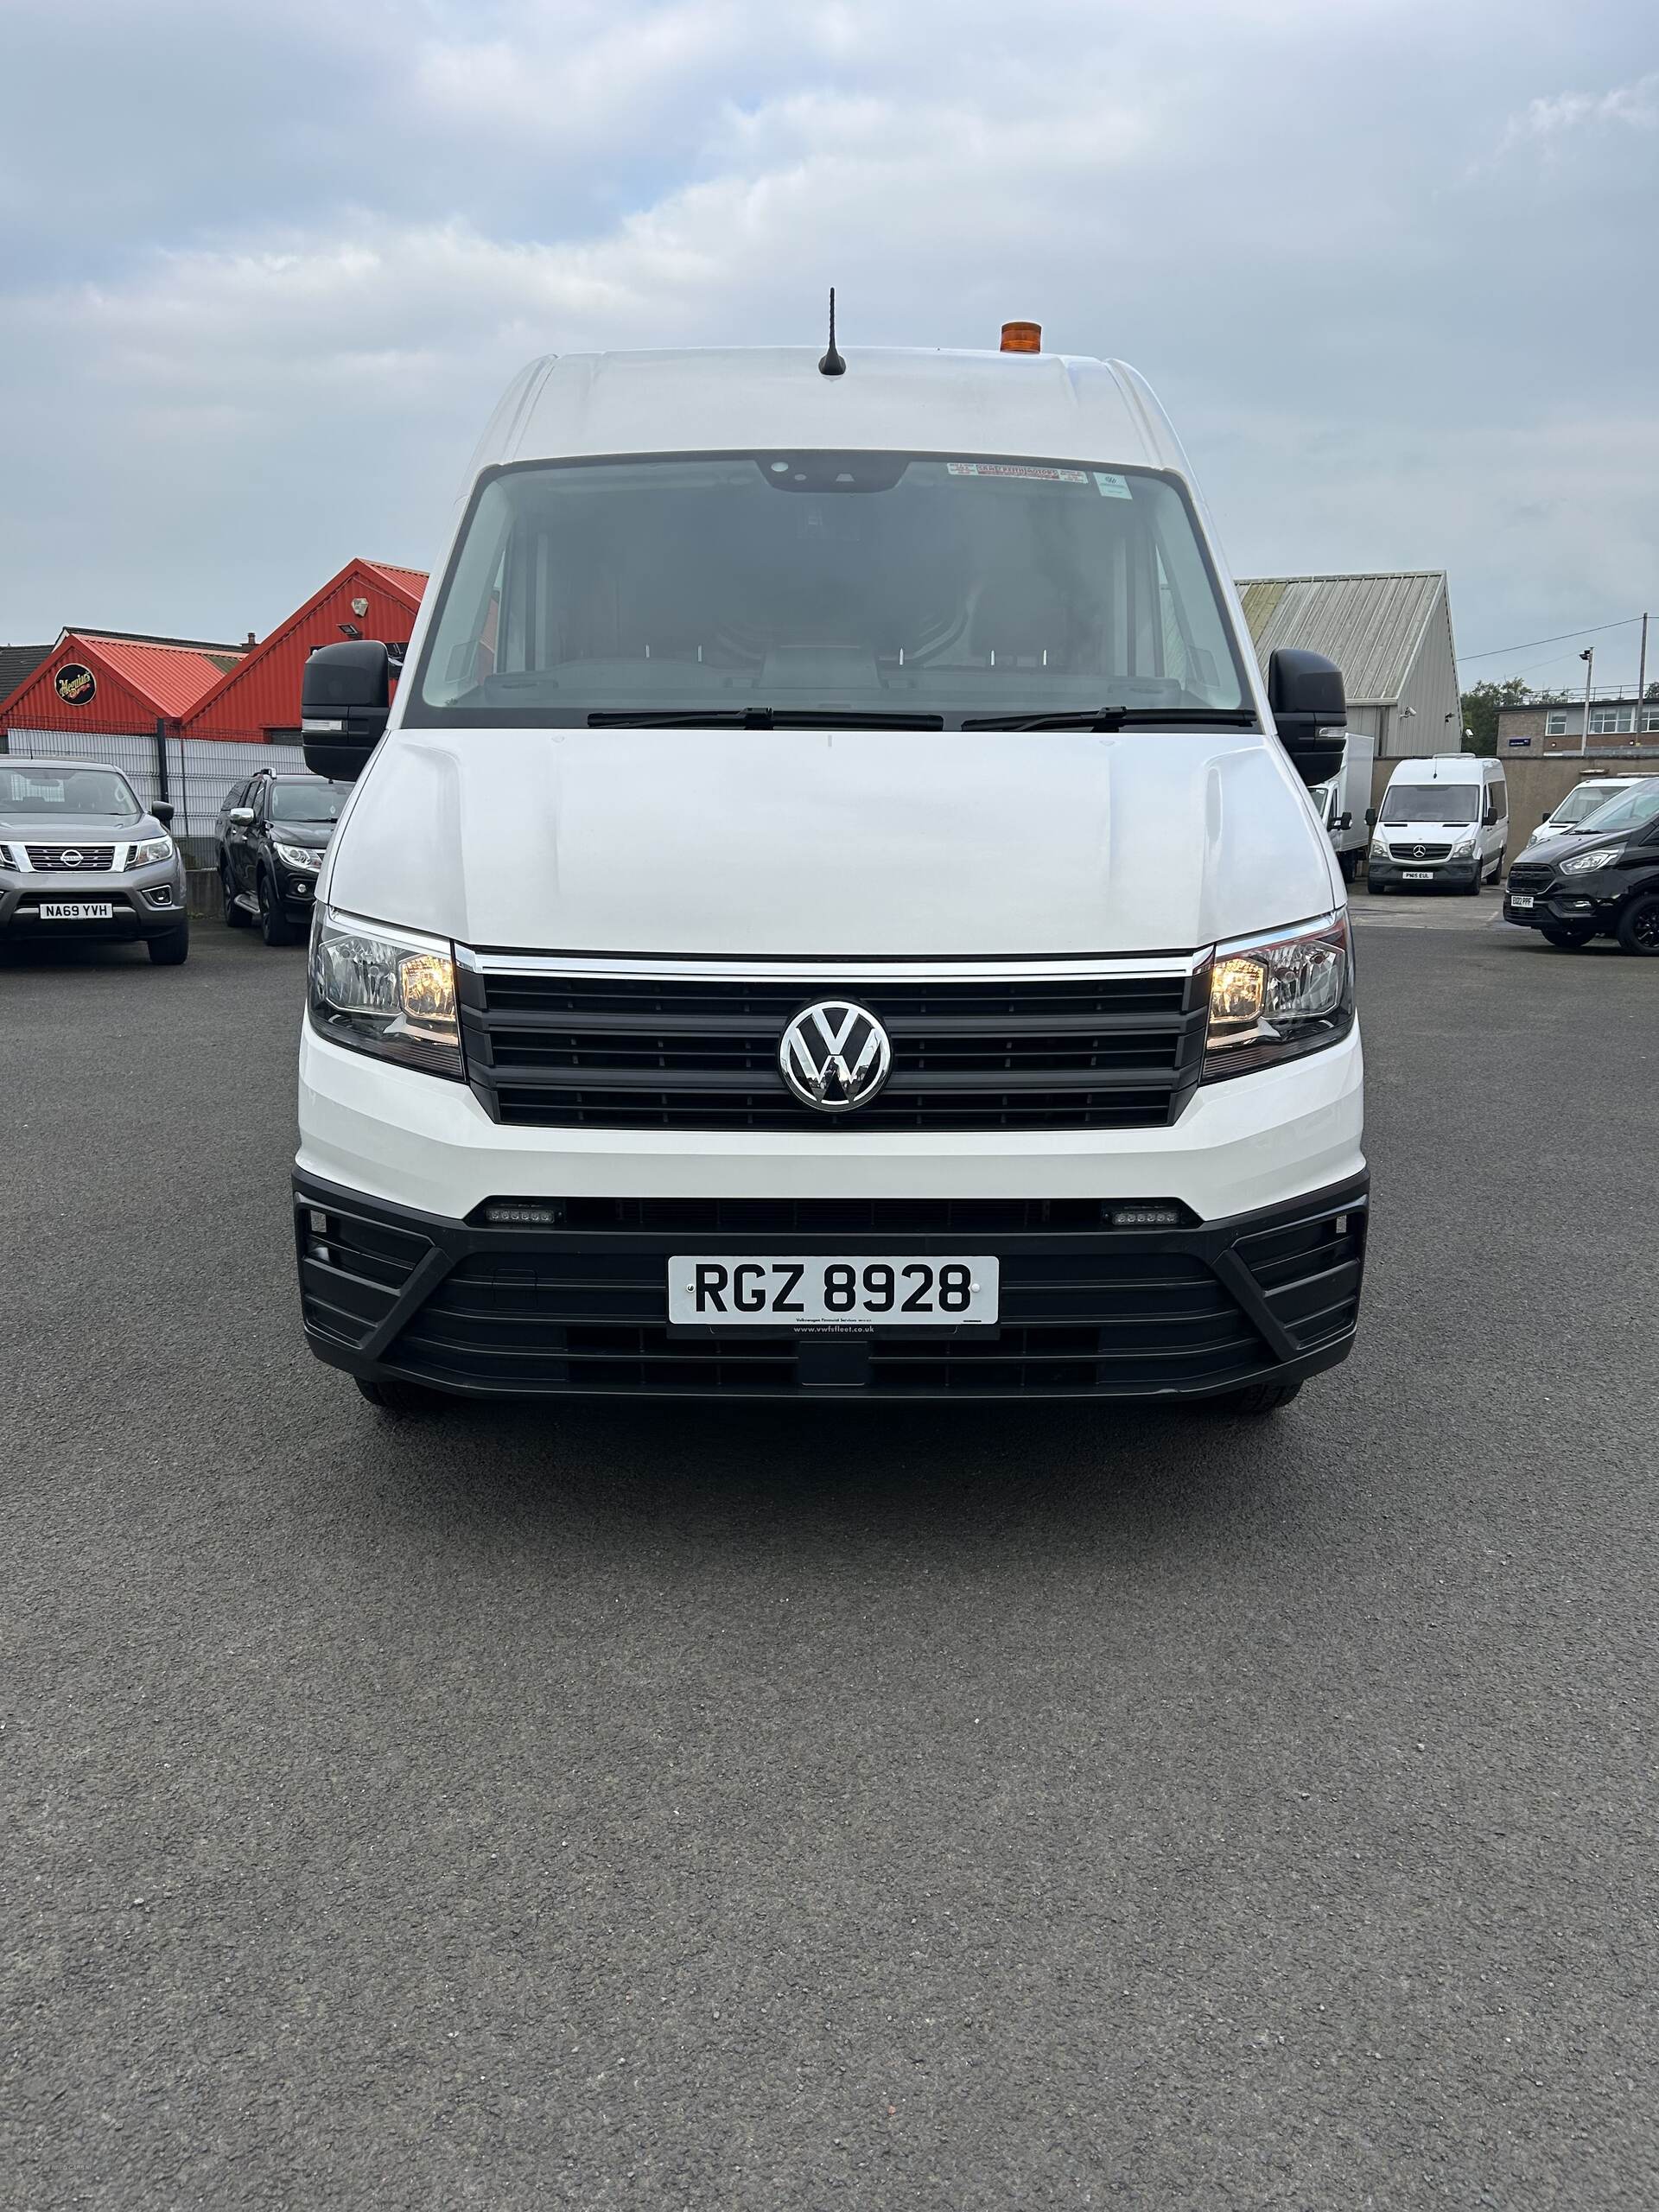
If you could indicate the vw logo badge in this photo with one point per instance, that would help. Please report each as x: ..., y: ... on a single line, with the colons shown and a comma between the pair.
x: 834, y: 1056
x: 70, y: 856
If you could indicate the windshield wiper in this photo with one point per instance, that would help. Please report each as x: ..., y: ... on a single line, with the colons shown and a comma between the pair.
x: 762, y: 718
x: 1110, y: 718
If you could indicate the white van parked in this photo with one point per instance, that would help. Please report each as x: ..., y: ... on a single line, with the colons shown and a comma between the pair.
x: 827, y: 912
x: 1344, y: 804
x: 1584, y: 800
x: 1443, y: 822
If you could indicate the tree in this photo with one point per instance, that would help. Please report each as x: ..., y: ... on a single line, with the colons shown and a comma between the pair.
x: 1482, y: 701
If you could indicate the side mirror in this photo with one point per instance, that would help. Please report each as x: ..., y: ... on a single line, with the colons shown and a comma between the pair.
x: 1344, y: 822
x: 1489, y: 818
x: 242, y: 814
x: 1370, y: 817
x: 345, y: 698
x: 1310, y: 711
x: 163, y: 811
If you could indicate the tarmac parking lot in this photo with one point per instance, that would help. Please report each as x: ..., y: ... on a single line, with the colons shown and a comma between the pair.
x: 622, y: 1806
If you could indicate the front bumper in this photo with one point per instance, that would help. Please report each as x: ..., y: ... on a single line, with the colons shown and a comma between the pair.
x: 296, y: 894
x: 148, y: 902
x: 1446, y: 876
x: 580, y: 1309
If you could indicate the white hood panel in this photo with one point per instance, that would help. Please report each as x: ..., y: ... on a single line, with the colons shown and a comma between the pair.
x: 856, y: 844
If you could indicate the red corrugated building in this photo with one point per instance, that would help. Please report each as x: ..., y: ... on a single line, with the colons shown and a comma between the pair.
x: 259, y: 700
x: 106, y: 680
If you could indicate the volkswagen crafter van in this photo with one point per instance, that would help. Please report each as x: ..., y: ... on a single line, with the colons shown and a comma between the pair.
x: 834, y: 907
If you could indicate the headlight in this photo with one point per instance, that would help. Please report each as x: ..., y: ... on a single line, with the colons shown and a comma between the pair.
x: 301, y: 856
x: 1582, y: 863
x: 1273, y: 998
x: 1379, y: 849
x: 386, y: 991
x: 152, y: 850
x: 1463, y: 846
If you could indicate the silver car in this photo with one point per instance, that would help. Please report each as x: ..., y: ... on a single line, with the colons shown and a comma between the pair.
x: 80, y: 858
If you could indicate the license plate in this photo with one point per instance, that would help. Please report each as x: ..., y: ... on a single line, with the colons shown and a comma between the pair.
x: 1521, y: 898
x: 1417, y: 874
x: 882, y: 1291
x: 76, y: 910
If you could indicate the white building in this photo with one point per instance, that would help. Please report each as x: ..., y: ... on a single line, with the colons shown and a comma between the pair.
x: 1391, y: 636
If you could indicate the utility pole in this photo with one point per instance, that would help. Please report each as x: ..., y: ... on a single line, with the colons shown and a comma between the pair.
x: 1588, y: 657
x: 1641, y: 683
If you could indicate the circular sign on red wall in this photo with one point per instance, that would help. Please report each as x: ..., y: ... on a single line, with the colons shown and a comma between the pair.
x: 75, y: 684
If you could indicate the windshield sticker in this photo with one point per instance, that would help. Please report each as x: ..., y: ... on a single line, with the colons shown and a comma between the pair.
x: 1008, y: 468
x: 1112, y: 487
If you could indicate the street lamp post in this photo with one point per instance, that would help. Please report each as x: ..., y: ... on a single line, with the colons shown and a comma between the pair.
x: 1588, y: 657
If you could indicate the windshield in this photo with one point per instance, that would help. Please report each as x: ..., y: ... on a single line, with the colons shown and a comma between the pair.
x: 306, y: 802
x: 41, y: 793
x: 1453, y: 806
x: 1589, y: 799
x: 1631, y: 810
x: 885, y: 582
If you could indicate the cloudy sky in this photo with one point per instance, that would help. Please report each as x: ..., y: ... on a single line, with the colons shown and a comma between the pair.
x: 1389, y: 263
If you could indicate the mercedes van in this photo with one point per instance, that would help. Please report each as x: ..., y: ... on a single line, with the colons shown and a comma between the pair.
x: 832, y: 909
x: 1444, y: 824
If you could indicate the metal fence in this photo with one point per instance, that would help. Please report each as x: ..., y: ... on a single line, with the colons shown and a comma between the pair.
x: 199, y: 771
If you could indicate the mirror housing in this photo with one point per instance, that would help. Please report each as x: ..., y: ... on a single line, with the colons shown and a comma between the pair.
x: 1344, y: 822
x: 242, y: 814
x: 163, y: 810
x: 1310, y: 712
x: 345, y: 698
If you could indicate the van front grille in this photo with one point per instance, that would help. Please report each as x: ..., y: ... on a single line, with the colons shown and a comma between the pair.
x: 1102, y: 1050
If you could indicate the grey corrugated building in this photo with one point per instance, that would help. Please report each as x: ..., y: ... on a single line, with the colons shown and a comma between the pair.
x: 1391, y: 637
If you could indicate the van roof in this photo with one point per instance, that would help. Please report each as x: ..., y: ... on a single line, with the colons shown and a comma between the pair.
x: 920, y: 399
x: 1447, y: 768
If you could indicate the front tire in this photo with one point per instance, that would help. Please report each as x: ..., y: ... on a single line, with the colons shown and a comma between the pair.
x: 1639, y: 925
x: 1373, y: 888
x: 1349, y: 863
x: 274, y: 925
x: 1260, y: 1398
x: 173, y: 950
x: 1563, y: 938
x: 393, y: 1395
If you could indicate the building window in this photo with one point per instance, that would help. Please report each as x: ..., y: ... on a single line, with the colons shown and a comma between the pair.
x: 1650, y: 718
x: 1611, y: 721
x: 1555, y: 722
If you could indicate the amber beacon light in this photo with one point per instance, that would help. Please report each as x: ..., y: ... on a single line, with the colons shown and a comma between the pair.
x: 1022, y: 338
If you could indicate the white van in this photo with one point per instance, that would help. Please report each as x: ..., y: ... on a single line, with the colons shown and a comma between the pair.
x: 827, y: 912
x: 1344, y: 804
x: 1444, y: 823
x: 1583, y: 801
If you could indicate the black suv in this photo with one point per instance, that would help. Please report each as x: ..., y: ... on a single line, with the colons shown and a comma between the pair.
x: 272, y: 832
x: 1601, y: 880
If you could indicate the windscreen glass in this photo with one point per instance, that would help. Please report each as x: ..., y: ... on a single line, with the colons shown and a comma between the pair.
x: 43, y: 794
x: 1589, y: 799
x: 1451, y: 806
x: 879, y: 581
x: 306, y: 802
x: 1632, y: 809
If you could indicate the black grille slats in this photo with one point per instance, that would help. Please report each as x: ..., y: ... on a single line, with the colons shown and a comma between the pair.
x: 1093, y: 1051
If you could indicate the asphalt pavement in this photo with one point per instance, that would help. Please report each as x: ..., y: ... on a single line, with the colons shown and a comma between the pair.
x: 774, y: 1807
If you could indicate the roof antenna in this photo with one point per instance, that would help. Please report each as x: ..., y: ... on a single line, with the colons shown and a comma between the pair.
x: 831, y: 364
